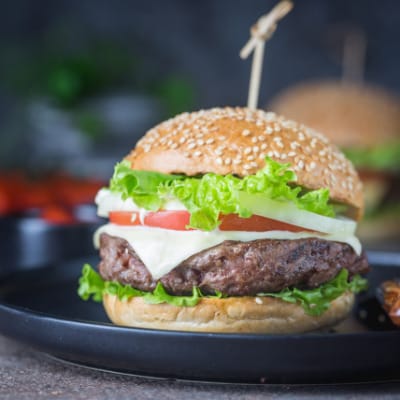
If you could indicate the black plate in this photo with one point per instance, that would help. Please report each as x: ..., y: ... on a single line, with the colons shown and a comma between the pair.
x: 41, y: 308
x: 31, y: 242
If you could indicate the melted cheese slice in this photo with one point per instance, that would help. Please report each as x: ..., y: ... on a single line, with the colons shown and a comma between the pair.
x: 161, y: 250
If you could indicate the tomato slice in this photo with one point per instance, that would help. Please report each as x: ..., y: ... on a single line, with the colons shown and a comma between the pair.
x: 178, y: 220
x: 256, y: 223
x: 56, y: 214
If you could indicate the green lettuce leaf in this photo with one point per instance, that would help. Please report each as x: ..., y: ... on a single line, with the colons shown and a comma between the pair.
x: 314, y: 302
x: 209, y: 196
x: 92, y: 285
x: 141, y: 186
x: 381, y: 157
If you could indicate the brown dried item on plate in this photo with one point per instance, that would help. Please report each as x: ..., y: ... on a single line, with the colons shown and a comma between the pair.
x: 391, y: 300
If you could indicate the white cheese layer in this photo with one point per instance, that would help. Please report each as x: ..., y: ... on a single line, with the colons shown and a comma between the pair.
x: 161, y: 250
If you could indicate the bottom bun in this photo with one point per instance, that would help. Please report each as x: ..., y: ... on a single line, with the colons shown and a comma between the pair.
x: 233, y: 314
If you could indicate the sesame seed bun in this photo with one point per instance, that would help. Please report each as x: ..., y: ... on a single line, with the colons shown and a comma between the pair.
x: 230, y: 315
x: 351, y: 115
x: 237, y: 140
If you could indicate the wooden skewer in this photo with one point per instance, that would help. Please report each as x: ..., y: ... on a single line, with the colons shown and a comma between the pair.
x: 260, y: 33
x: 354, y: 51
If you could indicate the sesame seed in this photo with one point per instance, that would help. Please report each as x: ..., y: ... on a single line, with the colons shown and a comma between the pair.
x: 246, y: 132
x: 247, y: 166
x: 270, y: 116
x: 227, y: 161
x: 254, y: 139
x: 256, y: 149
x: 219, y: 161
x: 250, y: 157
x: 247, y: 150
x: 174, y: 146
x: 197, y: 153
x: 191, y: 146
x: 263, y: 146
x: 269, y: 130
x: 258, y: 300
x: 200, y: 142
x: 182, y: 140
x: 218, y: 152
x: 209, y: 141
x: 300, y: 164
x: 312, y: 165
x: 294, y: 145
x: 291, y: 153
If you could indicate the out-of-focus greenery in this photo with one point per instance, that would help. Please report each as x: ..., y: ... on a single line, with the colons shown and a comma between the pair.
x: 90, y: 124
x: 176, y: 94
x: 381, y: 157
x: 66, y: 77
x: 389, y: 209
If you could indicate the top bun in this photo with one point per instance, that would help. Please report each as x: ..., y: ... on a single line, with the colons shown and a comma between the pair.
x: 237, y: 140
x: 349, y: 114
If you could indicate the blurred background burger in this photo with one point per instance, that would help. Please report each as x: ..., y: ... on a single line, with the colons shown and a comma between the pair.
x: 364, y: 121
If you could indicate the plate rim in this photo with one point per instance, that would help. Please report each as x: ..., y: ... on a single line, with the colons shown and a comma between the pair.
x: 78, y: 323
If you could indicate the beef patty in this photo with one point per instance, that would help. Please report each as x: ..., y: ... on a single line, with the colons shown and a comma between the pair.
x: 236, y: 268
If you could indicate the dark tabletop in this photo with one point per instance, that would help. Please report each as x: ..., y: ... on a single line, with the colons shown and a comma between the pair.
x: 28, y: 374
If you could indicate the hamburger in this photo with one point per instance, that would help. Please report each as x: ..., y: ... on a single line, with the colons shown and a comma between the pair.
x: 364, y: 121
x: 229, y: 220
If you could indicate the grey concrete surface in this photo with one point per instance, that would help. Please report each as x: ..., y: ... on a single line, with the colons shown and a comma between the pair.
x: 28, y: 374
